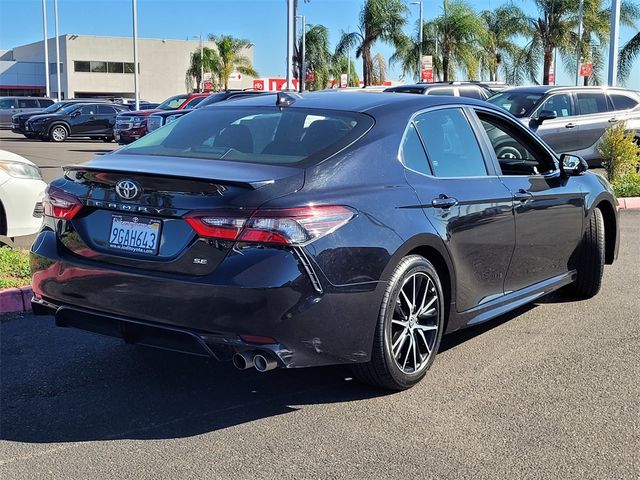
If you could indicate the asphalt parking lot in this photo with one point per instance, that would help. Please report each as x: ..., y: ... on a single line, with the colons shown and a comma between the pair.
x: 548, y: 391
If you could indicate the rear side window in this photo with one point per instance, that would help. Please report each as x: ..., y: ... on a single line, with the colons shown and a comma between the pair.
x: 106, y: 110
x: 28, y: 103
x: 441, y: 91
x: 622, y: 102
x: 412, y: 153
x: 472, y: 92
x: 451, y: 144
x: 256, y: 134
x: 88, y: 110
x: 45, y: 102
x: 589, y: 103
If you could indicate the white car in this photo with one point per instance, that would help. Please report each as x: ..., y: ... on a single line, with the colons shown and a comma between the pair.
x: 21, y: 194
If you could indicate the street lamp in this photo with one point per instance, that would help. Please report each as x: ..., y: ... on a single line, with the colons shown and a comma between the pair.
x: 201, y: 84
x: 134, y: 7
x: 46, y: 47
x: 303, y: 52
x: 420, y: 41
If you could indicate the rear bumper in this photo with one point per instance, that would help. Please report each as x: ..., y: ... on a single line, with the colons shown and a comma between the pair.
x: 310, y: 328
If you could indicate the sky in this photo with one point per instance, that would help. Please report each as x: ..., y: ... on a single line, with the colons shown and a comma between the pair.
x: 263, y: 22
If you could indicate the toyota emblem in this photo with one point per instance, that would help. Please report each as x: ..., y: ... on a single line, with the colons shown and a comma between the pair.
x: 128, y: 189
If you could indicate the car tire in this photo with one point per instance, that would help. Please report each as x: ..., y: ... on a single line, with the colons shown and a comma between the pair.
x: 58, y: 133
x: 510, y: 151
x: 591, y: 258
x: 394, y: 365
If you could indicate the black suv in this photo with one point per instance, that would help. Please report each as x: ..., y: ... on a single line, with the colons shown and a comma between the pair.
x: 19, y: 120
x: 93, y: 120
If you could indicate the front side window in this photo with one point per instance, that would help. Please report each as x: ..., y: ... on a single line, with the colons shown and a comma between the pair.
x: 412, y: 153
x: 589, y: 103
x: 516, y: 154
x: 265, y: 135
x: 451, y: 144
x: 560, y: 104
x: 28, y: 103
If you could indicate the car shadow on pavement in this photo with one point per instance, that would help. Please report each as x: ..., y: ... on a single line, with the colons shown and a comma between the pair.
x: 97, y: 151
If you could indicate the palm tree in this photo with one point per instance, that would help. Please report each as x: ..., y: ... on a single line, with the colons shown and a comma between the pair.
x: 595, y: 33
x: 500, y: 50
x: 317, y: 56
x: 550, y: 31
x: 196, y: 66
x: 231, y: 57
x: 340, y: 65
x: 379, y: 20
x: 628, y: 55
x: 379, y: 72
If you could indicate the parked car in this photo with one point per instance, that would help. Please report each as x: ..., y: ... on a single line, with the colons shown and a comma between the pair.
x: 454, y: 89
x: 21, y: 194
x: 158, y: 119
x: 93, y: 120
x: 298, y: 230
x: 9, y: 106
x: 19, y: 120
x: 571, y: 119
x: 132, y: 125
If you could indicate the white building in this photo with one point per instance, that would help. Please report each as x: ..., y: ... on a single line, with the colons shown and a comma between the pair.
x: 92, y: 66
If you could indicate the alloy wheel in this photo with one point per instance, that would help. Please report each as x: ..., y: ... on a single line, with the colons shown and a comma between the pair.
x: 414, y: 323
x: 59, y: 134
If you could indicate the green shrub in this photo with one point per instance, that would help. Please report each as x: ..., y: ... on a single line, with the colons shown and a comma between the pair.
x: 620, y: 154
x: 14, y: 268
x: 628, y: 186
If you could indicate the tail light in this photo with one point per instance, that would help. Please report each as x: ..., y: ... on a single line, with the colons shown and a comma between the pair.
x: 60, y: 204
x: 287, y: 226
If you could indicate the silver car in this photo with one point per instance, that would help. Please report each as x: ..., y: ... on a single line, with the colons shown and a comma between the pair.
x: 9, y: 106
x: 571, y: 119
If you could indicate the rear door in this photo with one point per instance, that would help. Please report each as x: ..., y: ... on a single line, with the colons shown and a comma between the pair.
x: 106, y: 118
x: 28, y: 105
x: 549, y: 209
x: 594, y: 119
x: 84, y: 121
x: 561, y: 133
x: 464, y: 200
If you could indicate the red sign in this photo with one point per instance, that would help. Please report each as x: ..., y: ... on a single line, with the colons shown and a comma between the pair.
x: 586, y: 69
x: 427, y: 74
x: 207, y: 86
x: 258, y: 84
x: 552, y: 78
x: 310, y: 76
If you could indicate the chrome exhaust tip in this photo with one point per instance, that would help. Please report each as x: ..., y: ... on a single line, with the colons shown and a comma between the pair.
x: 243, y: 360
x: 264, y: 362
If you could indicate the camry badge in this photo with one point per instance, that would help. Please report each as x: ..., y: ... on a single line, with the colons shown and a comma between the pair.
x: 128, y: 189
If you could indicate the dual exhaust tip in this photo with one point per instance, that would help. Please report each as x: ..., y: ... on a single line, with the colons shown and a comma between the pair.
x: 261, y: 361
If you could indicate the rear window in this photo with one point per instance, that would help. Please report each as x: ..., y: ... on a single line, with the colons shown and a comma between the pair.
x: 265, y: 135
x: 622, y: 102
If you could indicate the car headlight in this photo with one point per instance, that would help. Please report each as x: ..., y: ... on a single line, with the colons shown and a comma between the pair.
x: 138, y: 121
x: 20, y: 170
x: 154, y: 123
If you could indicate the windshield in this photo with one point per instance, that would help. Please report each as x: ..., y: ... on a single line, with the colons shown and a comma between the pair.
x: 520, y: 104
x: 265, y: 135
x: 69, y: 108
x: 54, y: 107
x: 172, y: 103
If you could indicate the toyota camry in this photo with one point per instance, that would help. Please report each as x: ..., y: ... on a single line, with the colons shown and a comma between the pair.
x: 325, y: 228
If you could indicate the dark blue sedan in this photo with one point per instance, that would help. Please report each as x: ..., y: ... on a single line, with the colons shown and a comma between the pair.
x: 335, y: 227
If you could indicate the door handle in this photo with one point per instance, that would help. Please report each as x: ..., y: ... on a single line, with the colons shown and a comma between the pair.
x: 522, y: 196
x: 613, y: 120
x: 442, y: 201
x: 570, y: 125
x: 92, y: 118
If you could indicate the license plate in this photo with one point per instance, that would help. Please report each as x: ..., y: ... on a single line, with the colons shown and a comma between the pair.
x: 135, y: 234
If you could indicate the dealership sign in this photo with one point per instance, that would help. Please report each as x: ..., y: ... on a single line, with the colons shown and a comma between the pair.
x: 274, y: 84
x: 426, y: 68
x: 586, y: 69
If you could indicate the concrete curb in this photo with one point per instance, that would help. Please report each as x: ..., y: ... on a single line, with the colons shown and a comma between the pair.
x: 14, y: 300
x: 629, y: 203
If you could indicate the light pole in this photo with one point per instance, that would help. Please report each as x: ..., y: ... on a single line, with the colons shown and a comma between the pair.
x: 420, y: 40
x: 613, y: 43
x: 303, y: 52
x: 201, y: 84
x: 46, y: 47
x: 579, y: 50
x: 290, y: 34
x: 55, y: 15
x: 134, y: 5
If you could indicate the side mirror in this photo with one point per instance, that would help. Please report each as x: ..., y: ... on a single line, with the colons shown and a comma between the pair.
x: 572, y: 165
x: 545, y: 115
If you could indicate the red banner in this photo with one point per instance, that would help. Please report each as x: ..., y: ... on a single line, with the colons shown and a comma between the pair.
x: 427, y: 75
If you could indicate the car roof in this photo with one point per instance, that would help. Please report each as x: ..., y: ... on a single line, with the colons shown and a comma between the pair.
x: 365, y: 102
x: 542, y: 89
